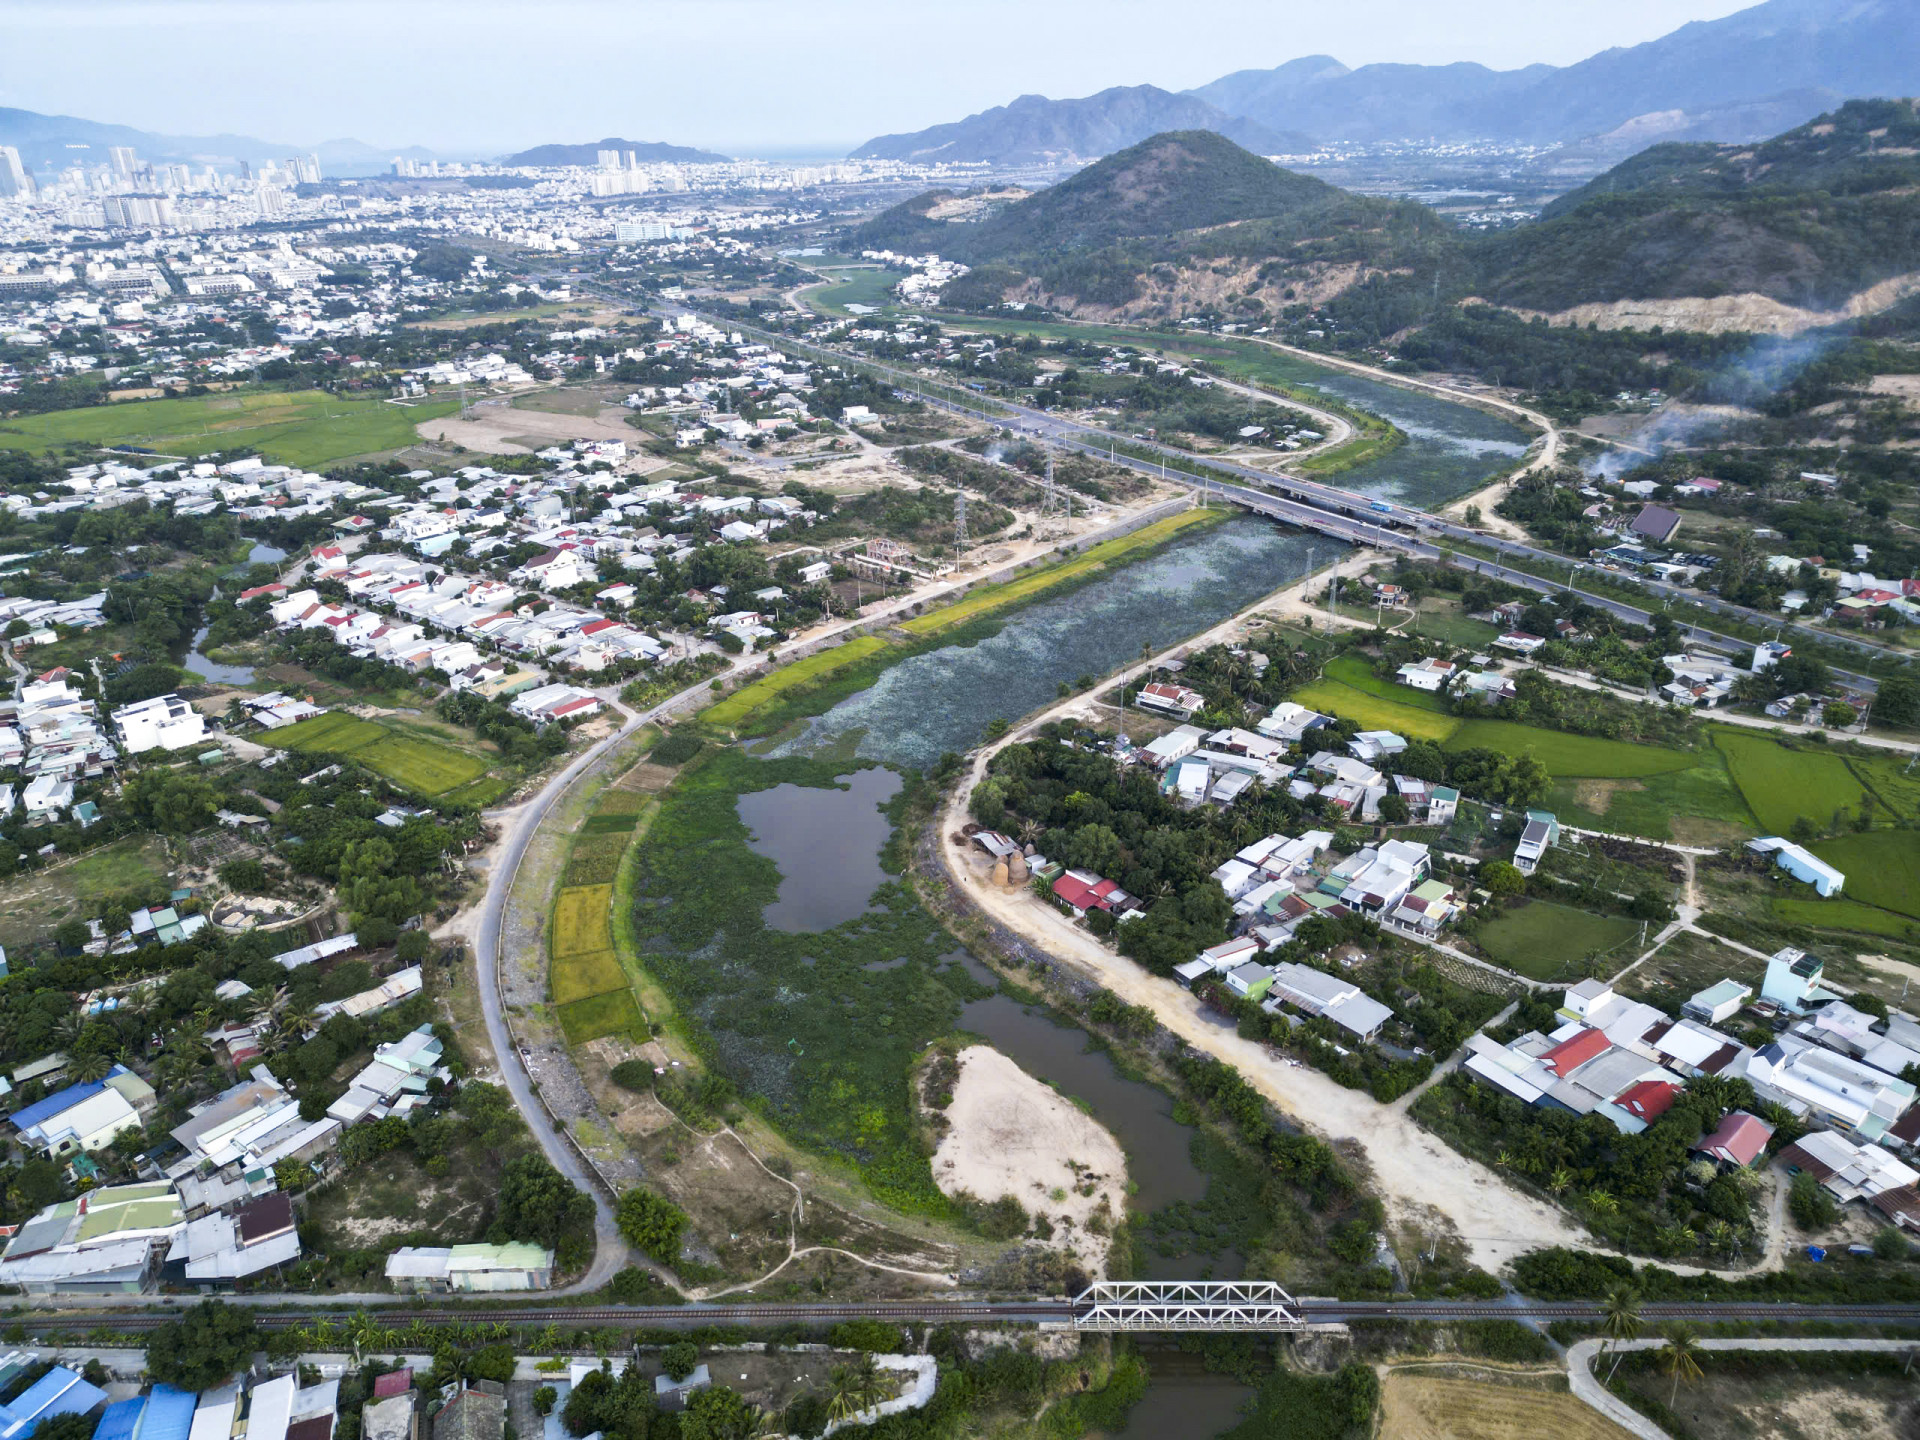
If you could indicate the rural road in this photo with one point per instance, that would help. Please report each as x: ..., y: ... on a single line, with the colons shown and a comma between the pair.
x: 610, y: 1251
x: 1587, y: 1387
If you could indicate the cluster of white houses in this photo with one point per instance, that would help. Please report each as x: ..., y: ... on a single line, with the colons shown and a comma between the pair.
x: 1832, y: 1065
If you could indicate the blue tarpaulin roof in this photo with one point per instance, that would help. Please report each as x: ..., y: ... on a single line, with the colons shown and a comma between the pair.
x: 58, y: 1392
x: 169, y: 1414
x: 120, y: 1419
x: 55, y: 1103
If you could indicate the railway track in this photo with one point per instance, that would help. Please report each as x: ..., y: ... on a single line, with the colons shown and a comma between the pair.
x: 1020, y: 1311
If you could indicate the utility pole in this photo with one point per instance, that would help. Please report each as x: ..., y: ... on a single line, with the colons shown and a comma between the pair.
x: 959, y: 522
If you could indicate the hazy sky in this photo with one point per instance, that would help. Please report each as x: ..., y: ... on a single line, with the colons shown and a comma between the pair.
x: 739, y: 75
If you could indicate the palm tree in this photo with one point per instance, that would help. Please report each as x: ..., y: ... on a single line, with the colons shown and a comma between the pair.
x: 547, y: 1342
x: 1680, y: 1358
x: 298, y: 1017
x: 1601, y: 1203
x: 363, y: 1333
x: 91, y: 1067
x: 1560, y: 1180
x: 1620, y: 1320
x: 843, y: 1403
x: 867, y: 1380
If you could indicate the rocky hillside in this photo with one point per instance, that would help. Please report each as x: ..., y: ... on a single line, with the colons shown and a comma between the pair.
x: 1183, y: 219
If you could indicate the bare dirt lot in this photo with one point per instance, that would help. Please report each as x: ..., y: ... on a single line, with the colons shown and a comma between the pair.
x: 1010, y: 1135
x: 498, y: 428
x: 1416, y: 1406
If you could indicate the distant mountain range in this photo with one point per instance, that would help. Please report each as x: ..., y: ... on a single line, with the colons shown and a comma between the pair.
x: 651, y: 152
x: 1819, y: 222
x: 55, y: 141
x: 1034, y: 129
x: 1741, y: 78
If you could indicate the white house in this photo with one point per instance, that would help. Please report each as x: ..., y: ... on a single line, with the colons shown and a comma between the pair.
x: 166, y: 722
x: 1429, y: 674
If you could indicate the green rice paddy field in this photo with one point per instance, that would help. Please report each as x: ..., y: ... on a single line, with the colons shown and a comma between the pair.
x: 435, y: 767
x: 308, y: 428
x: 1745, y: 783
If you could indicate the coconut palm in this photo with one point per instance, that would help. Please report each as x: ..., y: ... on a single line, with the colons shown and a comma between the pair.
x: 92, y: 1067
x: 867, y: 1381
x: 1620, y: 1320
x: 363, y: 1334
x: 842, y: 1402
x: 1560, y: 1180
x: 547, y: 1342
x: 1680, y: 1358
x: 1601, y: 1203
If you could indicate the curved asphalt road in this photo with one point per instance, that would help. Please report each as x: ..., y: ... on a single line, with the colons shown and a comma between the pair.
x: 610, y: 1251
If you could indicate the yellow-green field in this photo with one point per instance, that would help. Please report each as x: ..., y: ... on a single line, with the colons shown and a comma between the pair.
x: 988, y: 598
x: 580, y: 922
x: 593, y: 972
x: 1376, y: 712
x: 308, y: 428
x: 433, y: 769
x: 749, y: 698
x: 597, y: 1016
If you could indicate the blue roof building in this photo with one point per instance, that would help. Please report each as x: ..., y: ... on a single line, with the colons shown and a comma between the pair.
x: 58, y: 1392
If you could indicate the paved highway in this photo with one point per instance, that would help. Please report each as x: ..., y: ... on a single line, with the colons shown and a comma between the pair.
x: 1342, y: 513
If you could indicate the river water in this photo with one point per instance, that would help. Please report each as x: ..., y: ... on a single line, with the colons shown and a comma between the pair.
x: 943, y: 699
x: 1451, y: 450
x: 195, y: 660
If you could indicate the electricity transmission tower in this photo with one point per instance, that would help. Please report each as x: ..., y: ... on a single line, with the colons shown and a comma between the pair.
x: 959, y: 522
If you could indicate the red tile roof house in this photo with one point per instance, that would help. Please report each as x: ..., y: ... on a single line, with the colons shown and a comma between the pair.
x: 1570, y: 1054
x: 1081, y: 892
x: 1648, y: 1100
x: 1170, y: 699
x: 1738, y: 1143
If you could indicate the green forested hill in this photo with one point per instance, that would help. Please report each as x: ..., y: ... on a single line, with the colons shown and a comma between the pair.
x: 1808, y: 218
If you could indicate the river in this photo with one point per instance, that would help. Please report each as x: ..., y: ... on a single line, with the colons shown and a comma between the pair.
x: 1451, y: 449
x: 943, y: 699
x: 195, y: 659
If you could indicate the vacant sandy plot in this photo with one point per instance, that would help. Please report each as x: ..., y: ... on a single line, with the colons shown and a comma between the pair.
x: 1435, y: 1407
x: 1009, y: 1134
x: 500, y: 429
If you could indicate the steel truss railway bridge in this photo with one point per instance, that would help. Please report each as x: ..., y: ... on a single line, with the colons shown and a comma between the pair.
x: 1111, y: 1305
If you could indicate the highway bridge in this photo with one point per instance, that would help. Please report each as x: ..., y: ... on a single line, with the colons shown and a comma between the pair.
x: 1343, y: 514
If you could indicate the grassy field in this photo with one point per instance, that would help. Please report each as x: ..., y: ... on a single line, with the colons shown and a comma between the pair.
x: 749, y: 698
x: 1781, y: 785
x: 468, y: 319
x: 1697, y: 806
x: 1443, y: 620
x: 987, y: 598
x: 580, y: 922
x: 31, y: 905
x: 1844, y: 914
x: 1544, y: 941
x: 1882, y: 867
x: 1355, y: 671
x: 853, y: 287
x: 1445, y: 1407
x: 613, y: 1013
x: 308, y: 428
x: 1564, y: 755
x: 1376, y: 712
x: 431, y: 768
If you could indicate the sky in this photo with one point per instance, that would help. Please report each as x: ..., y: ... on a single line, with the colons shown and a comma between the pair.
x: 744, y: 76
